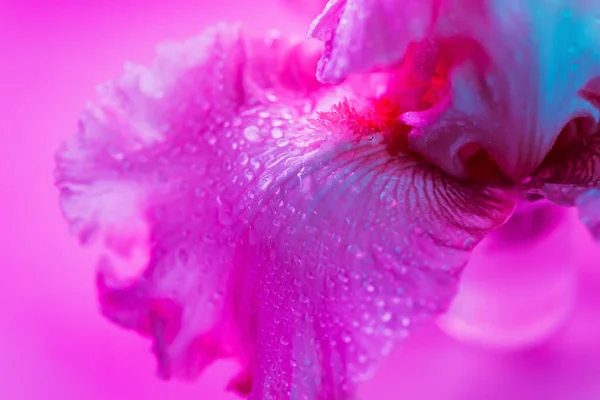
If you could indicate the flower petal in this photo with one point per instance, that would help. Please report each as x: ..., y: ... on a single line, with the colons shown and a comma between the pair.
x: 516, y: 69
x: 363, y: 34
x: 356, y: 247
x: 519, y: 86
x: 520, y: 284
x: 303, y: 243
x: 570, y: 175
x: 151, y: 163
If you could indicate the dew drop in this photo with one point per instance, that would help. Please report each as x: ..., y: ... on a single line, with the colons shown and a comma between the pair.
x: 252, y: 133
x: 469, y: 243
x: 276, y: 133
x: 303, y: 299
x: 386, y: 317
x: 321, y: 269
x: 209, y: 238
x: 281, y: 142
x: 369, y: 288
x: 346, y: 338
x: 243, y: 159
x: 353, y: 249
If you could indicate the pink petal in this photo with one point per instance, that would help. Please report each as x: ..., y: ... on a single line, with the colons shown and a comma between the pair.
x: 298, y: 237
x: 149, y: 168
x: 519, y: 285
x: 363, y: 34
x: 358, y: 247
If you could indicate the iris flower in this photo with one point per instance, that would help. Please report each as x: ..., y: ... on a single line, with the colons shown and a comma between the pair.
x: 303, y: 216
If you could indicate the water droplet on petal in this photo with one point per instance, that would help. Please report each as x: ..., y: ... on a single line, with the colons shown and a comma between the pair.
x: 469, y: 243
x: 276, y: 133
x: 252, y: 133
x: 346, y: 338
x: 386, y: 317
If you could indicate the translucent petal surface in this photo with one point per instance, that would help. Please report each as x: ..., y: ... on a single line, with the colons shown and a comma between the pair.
x: 363, y: 34
x: 302, y: 245
x: 520, y: 284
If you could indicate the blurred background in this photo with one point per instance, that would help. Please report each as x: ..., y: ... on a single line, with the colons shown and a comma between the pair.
x: 526, y: 325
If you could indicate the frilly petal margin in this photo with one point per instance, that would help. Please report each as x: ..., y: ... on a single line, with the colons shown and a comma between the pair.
x: 277, y: 234
x: 151, y: 159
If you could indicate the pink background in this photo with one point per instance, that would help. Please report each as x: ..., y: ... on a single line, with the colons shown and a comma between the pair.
x: 53, y: 342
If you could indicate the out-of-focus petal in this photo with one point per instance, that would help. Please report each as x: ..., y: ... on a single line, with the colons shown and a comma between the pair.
x: 361, y: 35
x: 301, y: 238
x: 520, y: 283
